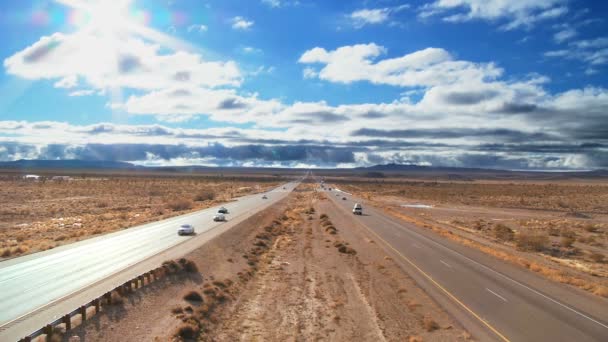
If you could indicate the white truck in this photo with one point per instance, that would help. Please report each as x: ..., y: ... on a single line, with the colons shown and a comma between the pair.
x: 358, y: 209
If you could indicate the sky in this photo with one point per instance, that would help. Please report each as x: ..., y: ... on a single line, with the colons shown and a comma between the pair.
x: 503, y: 84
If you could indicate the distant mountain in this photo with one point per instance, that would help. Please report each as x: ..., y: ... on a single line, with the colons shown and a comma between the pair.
x: 392, y: 167
x: 65, y: 164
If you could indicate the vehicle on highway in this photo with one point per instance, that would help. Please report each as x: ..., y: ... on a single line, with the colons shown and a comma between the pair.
x: 222, y: 210
x: 344, y: 198
x: 264, y: 197
x: 283, y: 188
x: 185, y: 229
x: 219, y: 217
x: 358, y: 209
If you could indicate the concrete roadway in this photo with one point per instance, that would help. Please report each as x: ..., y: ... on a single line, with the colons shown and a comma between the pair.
x: 31, y: 284
x: 493, y: 299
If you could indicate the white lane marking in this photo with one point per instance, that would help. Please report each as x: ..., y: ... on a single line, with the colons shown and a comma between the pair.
x: 500, y: 274
x: 445, y: 263
x: 497, y: 295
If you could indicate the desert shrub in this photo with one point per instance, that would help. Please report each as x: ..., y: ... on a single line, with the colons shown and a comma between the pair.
x: 179, y: 205
x: 116, y: 299
x: 504, y: 233
x: 597, y: 257
x: 568, y: 233
x: 193, y: 296
x: 204, y: 195
x: 188, y: 265
x: 566, y: 241
x: 430, y: 324
x: 591, y: 228
x: 323, y: 216
x: 6, y: 252
x: 554, y: 231
x: 531, y: 242
x: 187, y: 332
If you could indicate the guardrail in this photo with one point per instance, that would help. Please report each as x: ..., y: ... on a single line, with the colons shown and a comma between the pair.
x: 104, y: 300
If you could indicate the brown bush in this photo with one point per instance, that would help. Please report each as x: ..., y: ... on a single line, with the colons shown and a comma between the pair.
x: 193, y: 296
x: 116, y: 299
x: 504, y: 233
x: 430, y: 324
x: 204, y: 195
x: 190, y: 266
x: 597, y: 257
x: 179, y: 205
x: 187, y: 332
x: 531, y: 242
x: 568, y: 233
x: 591, y: 228
x: 566, y: 242
x: 323, y: 216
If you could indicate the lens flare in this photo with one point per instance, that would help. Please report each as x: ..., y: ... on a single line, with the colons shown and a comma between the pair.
x: 39, y: 18
x: 142, y: 17
x: 79, y: 18
x: 179, y: 18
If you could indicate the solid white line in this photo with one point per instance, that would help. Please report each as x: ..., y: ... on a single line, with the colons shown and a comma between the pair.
x: 445, y: 263
x: 502, y: 275
x: 496, y: 294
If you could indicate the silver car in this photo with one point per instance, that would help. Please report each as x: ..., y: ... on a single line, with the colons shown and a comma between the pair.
x: 185, y: 229
x: 219, y: 217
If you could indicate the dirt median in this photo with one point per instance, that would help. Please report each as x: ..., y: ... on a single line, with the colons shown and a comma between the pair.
x: 288, y: 273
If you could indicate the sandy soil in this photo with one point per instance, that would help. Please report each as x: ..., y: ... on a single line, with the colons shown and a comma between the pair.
x: 41, y: 215
x: 571, y: 219
x: 283, y: 276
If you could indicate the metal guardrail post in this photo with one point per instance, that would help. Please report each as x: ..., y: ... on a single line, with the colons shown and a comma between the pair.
x: 83, y: 312
x: 67, y: 320
x: 48, y: 331
x: 97, y: 303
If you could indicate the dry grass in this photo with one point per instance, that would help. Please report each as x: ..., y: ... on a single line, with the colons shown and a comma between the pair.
x: 36, y: 216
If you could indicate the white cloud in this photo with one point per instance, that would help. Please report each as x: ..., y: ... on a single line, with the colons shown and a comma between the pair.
x: 521, y: 13
x: 250, y: 50
x: 593, y: 52
x: 309, y: 72
x: 85, y: 92
x: 372, y: 16
x: 272, y: 3
x: 563, y: 35
x: 427, y: 67
x: 241, y: 23
x: 198, y: 28
x: 105, y: 63
x: 67, y: 82
x: 369, y: 16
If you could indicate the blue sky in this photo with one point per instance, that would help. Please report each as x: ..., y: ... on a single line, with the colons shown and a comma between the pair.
x: 472, y: 83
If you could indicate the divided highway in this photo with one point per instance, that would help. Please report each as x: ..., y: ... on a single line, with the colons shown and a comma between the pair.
x: 39, y: 288
x: 492, y: 299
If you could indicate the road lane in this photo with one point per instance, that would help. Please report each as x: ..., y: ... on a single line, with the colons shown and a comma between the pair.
x: 32, y: 282
x: 519, y: 306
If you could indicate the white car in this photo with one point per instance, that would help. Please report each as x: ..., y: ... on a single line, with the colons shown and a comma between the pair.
x: 358, y: 209
x: 185, y: 229
x: 219, y: 217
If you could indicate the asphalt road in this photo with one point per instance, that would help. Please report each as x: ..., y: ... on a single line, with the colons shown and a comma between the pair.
x: 33, y: 283
x: 493, y: 299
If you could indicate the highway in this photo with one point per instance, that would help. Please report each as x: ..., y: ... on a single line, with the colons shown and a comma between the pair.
x: 493, y: 299
x: 39, y: 288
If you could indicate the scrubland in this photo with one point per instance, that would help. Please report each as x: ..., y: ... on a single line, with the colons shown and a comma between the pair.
x: 556, y: 229
x: 40, y: 215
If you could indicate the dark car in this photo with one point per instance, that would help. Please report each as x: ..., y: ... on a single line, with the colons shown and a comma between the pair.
x: 222, y: 210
